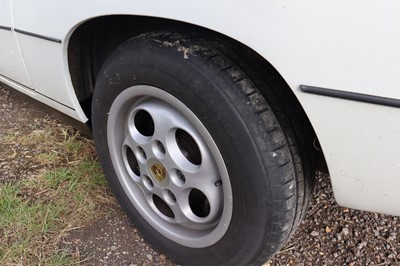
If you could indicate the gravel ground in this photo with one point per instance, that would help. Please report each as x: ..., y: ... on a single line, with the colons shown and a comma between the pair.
x: 329, y: 235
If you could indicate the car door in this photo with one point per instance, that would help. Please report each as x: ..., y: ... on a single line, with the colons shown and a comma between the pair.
x: 12, y: 66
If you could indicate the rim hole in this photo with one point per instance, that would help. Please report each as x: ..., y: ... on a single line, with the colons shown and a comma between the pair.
x: 144, y: 123
x: 178, y: 177
x: 188, y: 146
x: 132, y: 161
x: 162, y: 206
x: 148, y: 182
x: 142, y: 153
x: 160, y: 147
x: 170, y: 196
x: 199, y: 203
x: 181, y: 177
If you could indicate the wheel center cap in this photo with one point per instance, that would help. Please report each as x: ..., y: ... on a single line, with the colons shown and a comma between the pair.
x: 158, y: 171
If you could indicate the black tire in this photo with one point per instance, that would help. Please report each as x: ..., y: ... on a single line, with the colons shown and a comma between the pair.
x: 255, y: 138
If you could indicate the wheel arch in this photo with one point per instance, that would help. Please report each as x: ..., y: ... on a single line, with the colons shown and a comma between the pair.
x: 93, y: 41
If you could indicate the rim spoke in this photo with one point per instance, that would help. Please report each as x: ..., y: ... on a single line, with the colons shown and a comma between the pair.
x: 180, y: 217
x: 165, y: 118
x: 210, y: 187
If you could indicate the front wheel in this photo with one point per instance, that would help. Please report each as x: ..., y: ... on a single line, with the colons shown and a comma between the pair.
x: 194, y: 153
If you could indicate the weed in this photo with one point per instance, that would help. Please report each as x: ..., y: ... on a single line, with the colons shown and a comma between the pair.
x: 36, y: 213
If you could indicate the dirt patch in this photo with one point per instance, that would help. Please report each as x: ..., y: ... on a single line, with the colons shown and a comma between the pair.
x: 113, y: 240
x: 18, y: 118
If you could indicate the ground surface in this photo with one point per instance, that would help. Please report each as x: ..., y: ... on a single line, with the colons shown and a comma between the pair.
x: 330, y: 235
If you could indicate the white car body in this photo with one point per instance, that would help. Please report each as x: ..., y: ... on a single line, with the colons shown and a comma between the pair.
x: 349, y: 46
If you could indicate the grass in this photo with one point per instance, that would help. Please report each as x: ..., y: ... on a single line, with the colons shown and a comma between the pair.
x: 36, y: 213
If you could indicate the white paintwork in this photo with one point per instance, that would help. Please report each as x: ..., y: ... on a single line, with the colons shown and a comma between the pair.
x: 11, y: 63
x: 344, y: 45
x: 361, y: 145
x: 49, y: 76
x: 40, y: 98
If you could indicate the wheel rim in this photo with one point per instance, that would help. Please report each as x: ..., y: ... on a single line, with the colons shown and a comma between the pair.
x: 169, y: 166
